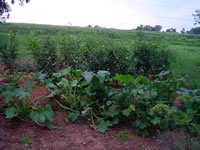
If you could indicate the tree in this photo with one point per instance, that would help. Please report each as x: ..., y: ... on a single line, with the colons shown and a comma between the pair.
x: 196, y: 16
x: 183, y: 31
x: 5, y: 8
x: 171, y: 30
x: 195, y: 30
x: 157, y: 28
x: 141, y: 27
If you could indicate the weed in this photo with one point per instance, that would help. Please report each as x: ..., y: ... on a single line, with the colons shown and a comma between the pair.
x: 124, y: 135
x: 25, y: 141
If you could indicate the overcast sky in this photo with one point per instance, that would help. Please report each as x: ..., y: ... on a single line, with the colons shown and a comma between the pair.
x: 121, y: 14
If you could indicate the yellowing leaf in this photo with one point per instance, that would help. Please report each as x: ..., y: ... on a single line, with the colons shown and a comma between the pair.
x: 132, y: 107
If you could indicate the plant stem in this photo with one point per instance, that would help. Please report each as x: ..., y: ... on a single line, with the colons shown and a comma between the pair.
x: 64, y: 107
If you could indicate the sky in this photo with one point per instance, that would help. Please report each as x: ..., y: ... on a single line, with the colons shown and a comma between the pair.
x: 120, y: 14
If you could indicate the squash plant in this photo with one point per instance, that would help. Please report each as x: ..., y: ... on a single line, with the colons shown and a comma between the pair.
x: 18, y: 103
x: 86, y: 94
x: 140, y: 100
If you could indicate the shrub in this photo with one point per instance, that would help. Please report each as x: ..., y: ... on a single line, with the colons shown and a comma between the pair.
x: 8, y: 52
x: 150, y: 58
x: 70, y: 50
x: 44, y: 51
x: 106, y: 55
x: 93, y: 54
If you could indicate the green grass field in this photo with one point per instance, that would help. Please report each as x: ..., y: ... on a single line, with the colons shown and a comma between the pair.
x: 186, y: 47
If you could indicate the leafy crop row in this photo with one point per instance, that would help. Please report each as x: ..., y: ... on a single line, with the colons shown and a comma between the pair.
x: 158, y: 104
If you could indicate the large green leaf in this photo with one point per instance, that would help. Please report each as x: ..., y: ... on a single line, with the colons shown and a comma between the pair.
x: 94, y: 84
x: 111, y: 112
x: 21, y: 93
x: 126, y: 112
x: 103, y: 76
x: 62, y: 73
x: 43, y: 113
x: 142, y: 80
x: 63, y: 83
x: 48, y: 111
x: 48, y: 84
x: 8, y: 93
x: 74, y: 83
x: 11, y: 112
x: 34, y: 116
x: 28, y: 84
x: 76, y: 72
x: 40, y: 76
x: 101, y: 125
x: 140, y: 124
x: 123, y: 79
x: 151, y: 93
x: 88, y: 76
x: 155, y: 121
x: 73, y: 116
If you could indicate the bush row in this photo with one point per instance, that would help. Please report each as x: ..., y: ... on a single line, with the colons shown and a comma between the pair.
x: 92, y: 54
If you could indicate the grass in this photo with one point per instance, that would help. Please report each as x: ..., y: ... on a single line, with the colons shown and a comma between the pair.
x: 185, y: 46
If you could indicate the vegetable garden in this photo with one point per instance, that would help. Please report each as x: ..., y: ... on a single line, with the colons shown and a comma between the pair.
x: 105, y: 82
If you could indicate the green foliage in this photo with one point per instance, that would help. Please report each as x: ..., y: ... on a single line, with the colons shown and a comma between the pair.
x: 17, y: 98
x: 9, y: 51
x: 196, y: 16
x: 41, y: 114
x: 185, y: 46
x: 124, y: 135
x: 25, y: 141
x: 71, y: 91
x: 149, y: 104
x: 71, y: 51
x: 195, y: 30
x: 188, y: 116
x: 85, y: 94
x: 150, y: 58
x: 90, y: 54
x: 44, y: 51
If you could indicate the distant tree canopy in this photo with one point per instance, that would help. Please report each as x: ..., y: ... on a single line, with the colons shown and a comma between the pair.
x: 196, y: 16
x: 183, y: 31
x: 156, y: 28
x: 5, y: 8
x: 171, y: 30
x: 194, y: 31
